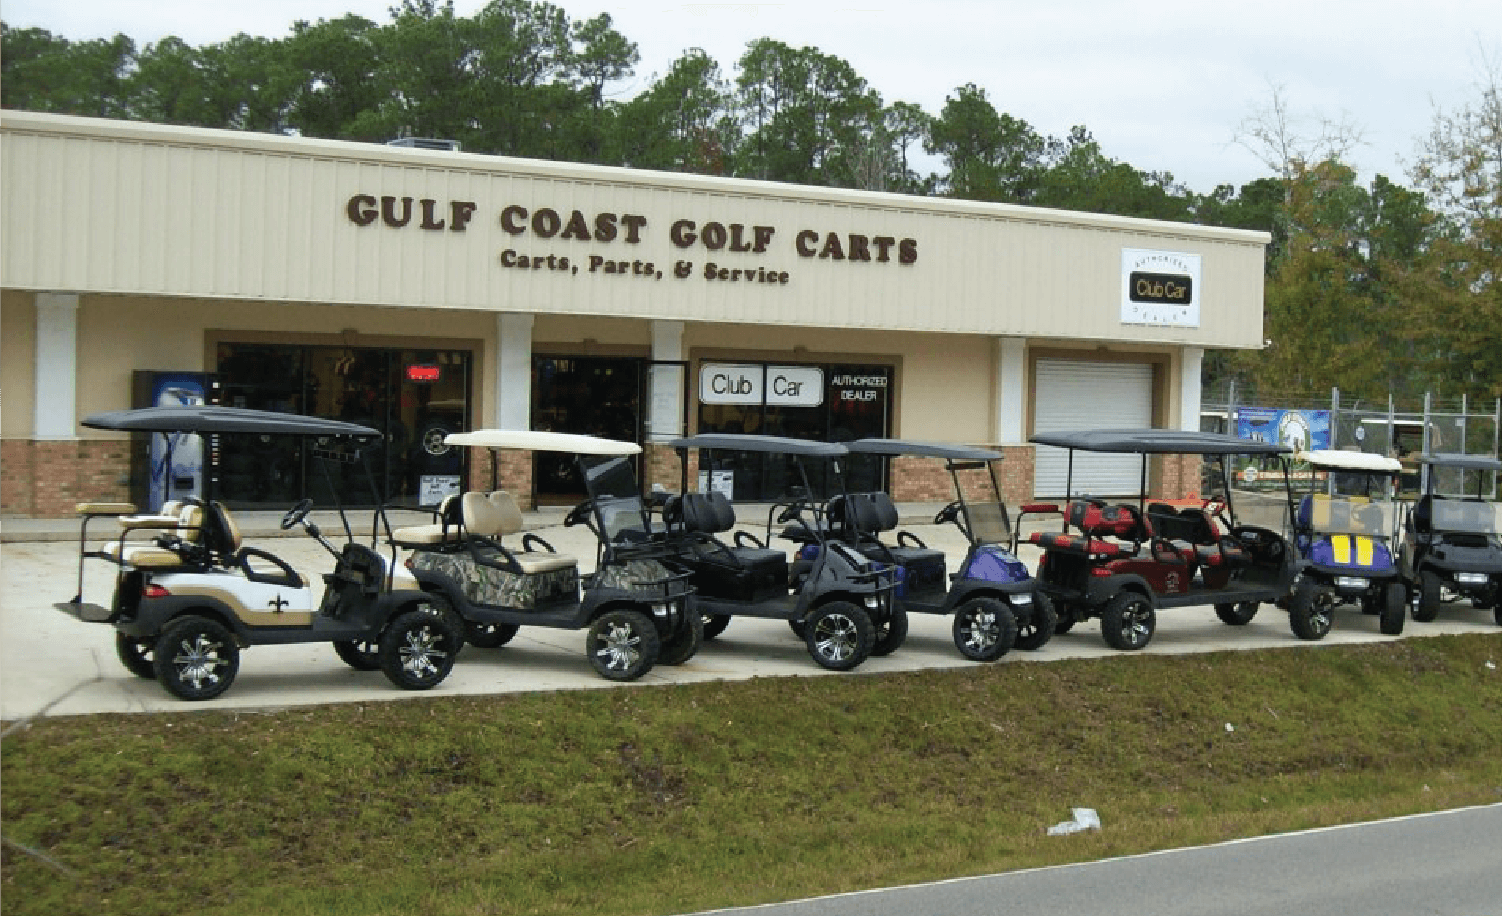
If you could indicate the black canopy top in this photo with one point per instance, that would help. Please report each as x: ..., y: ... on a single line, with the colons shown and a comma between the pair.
x: 1156, y: 441
x: 210, y: 418
x: 1464, y: 462
x: 927, y: 449
x: 776, y: 444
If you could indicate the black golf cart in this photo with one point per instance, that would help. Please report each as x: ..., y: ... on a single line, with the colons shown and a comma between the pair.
x: 1344, y: 532
x: 188, y: 595
x: 638, y: 612
x: 837, y: 600
x: 1452, y: 546
x: 992, y: 598
x: 1123, y: 561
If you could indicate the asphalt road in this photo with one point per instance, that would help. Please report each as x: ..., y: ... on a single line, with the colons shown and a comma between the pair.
x: 1441, y: 864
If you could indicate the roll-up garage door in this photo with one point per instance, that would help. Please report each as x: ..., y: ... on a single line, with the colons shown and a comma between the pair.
x: 1072, y: 394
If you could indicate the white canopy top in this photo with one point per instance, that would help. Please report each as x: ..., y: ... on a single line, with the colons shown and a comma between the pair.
x: 1335, y: 459
x: 537, y: 441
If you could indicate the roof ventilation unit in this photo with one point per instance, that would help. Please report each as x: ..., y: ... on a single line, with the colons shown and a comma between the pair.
x: 425, y: 143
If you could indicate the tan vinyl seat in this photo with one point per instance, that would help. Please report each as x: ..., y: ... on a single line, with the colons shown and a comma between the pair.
x: 183, y: 521
x: 496, y: 515
x: 435, y: 534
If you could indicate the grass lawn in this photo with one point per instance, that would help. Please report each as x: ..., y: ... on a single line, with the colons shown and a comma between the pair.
x: 657, y: 800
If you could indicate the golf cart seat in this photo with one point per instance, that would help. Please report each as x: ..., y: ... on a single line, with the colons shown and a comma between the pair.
x: 1422, y: 517
x: 178, y: 525
x: 223, y: 546
x: 446, y: 530
x: 487, y: 518
x: 868, y: 515
x: 709, y: 514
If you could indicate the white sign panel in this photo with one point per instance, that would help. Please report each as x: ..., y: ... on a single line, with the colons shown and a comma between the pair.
x: 784, y: 386
x: 1160, y: 288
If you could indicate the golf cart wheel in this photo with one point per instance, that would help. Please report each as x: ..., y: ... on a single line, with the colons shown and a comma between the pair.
x: 1066, y: 621
x: 488, y: 635
x: 196, y: 658
x: 1041, y: 624
x: 359, y: 654
x: 681, y: 646
x: 1429, y: 588
x: 622, y: 645
x: 1311, y: 612
x: 418, y: 647
x: 714, y: 625
x: 1128, y: 621
x: 799, y: 628
x: 839, y: 635
x: 984, y: 629
x: 1394, y: 609
x: 1237, y: 615
x: 135, y: 656
x: 890, y: 633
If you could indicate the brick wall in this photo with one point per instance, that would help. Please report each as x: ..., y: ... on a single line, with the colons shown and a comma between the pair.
x: 919, y: 479
x: 514, y: 475
x: 662, y: 467
x: 47, y: 478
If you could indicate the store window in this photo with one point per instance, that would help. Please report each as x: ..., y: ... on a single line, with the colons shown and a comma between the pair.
x: 831, y: 402
x: 595, y: 396
x: 413, y: 396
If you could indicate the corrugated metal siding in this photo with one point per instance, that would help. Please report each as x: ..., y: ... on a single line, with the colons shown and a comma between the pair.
x: 98, y: 206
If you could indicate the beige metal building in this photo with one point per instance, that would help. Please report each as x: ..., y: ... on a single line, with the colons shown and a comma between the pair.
x: 426, y: 290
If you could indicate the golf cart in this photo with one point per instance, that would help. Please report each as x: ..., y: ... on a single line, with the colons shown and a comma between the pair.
x: 637, y: 611
x: 188, y: 595
x: 837, y: 600
x: 992, y: 598
x: 1123, y: 562
x: 1452, y: 546
x: 1344, y: 538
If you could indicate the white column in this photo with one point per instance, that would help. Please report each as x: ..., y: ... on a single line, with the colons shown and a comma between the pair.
x: 513, y: 395
x: 665, y: 401
x: 1011, y: 390
x: 57, y: 366
x: 1191, y: 362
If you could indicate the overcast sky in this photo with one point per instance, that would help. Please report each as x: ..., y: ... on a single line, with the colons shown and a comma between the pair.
x: 1162, y: 84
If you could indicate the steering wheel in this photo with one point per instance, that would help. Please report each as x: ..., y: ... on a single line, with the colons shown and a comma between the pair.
x: 1215, y: 506
x: 579, y: 515
x: 791, y: 513
x: 948, y: 514
x: 297, y: 514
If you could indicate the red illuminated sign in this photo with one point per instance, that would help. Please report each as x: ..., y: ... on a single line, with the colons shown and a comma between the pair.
x: 423, y: 373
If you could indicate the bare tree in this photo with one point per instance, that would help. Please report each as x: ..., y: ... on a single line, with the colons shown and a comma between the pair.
x: 1290, y: 144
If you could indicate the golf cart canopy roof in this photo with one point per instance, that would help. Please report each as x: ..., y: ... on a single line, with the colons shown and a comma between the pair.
x: 1333, y: 459
x: 926, y: 449
x: 210, y: 418
x: 537, y: 441
x: 777, y: 444
x: 1155, y: 441
x: 1465, y: 462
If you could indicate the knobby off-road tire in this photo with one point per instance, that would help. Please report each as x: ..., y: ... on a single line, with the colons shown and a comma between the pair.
x: 135, y: 656
x: 682, y: 645
x: 984, y: 629
x: 489, y: 635
x: 1041, y: 624
x: 359, y: 654
x: 1394, y: 609
x: 196, y: 658
x: 622, y: 645
x: 1311, y: 612
x: 1237, y: 615
x: 1429, y: 588
x: 839, y: 635
x: 890, y: 633
x: 418, y: 648
x: 1128, y: 621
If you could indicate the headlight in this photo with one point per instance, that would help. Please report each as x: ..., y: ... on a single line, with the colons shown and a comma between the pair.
x: 873, y: 602
x: 1024, y: 598
x: 660, y: 609
x: 1470, y: 578
x: 1350, y: 582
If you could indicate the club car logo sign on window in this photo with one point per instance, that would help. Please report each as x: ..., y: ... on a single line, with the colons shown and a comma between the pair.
x: 786, y: 386
x: 1160, y: 288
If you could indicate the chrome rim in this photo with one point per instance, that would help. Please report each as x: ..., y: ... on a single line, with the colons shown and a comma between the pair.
x: 620, y: 646
x: 421, y: 652
x: 980, y: 630
x: 1134, y: 625
x: 198, y: 661
x: 835, y: 637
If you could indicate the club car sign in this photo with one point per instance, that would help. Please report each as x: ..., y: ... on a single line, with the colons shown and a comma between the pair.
x: 1160, y: 288
x: 778, y: 386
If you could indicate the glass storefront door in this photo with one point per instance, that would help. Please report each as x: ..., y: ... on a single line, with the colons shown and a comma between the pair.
x: 596, y: 396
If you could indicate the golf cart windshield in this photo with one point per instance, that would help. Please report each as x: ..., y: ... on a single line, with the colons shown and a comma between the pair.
x: 611, y: 483
x: 1465, y: 516
x: 1351, y: 515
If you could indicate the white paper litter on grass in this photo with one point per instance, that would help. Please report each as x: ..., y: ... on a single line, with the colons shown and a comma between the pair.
x: 1084, y: 819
